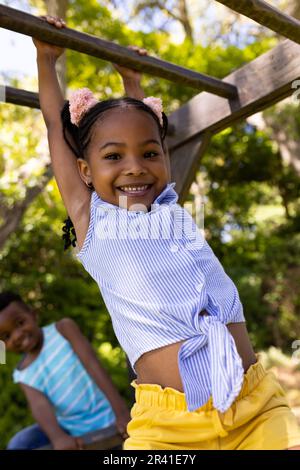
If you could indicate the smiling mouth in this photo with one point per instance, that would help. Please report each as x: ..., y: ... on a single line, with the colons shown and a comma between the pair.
x: 135, y: 190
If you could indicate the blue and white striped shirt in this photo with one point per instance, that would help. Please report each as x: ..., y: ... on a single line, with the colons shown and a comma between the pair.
x: 156, y: 274
x: 79, y: 405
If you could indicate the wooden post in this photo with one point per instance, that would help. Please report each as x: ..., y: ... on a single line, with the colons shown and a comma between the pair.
x: 30, y: 25
x: 185, y: 163
x: 267, y: 15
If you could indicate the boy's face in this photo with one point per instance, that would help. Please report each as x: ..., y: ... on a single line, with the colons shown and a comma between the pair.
x: 19, y: 329
x: 125, y: 158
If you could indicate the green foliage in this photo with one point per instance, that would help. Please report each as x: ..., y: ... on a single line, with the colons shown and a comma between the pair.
x: 14, y: 411
x: 253, y: 207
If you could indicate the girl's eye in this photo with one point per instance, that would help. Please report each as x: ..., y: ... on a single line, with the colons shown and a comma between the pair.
x: 20, y: 322
x: 150, y: 154
x: 112, y: 156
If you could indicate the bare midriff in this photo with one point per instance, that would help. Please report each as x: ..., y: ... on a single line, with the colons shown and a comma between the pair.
x: 160, y: 366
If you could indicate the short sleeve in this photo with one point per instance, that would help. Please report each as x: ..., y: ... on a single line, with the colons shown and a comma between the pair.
x: 34, y: 382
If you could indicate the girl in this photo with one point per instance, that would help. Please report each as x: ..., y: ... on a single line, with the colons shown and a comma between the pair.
x: 174, y: 310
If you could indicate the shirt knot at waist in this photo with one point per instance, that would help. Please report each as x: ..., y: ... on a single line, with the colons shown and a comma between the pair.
x: 221, y: 365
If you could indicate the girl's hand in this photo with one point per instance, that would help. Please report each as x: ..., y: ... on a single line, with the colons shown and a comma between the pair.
x: 44, y: 48
x: 131, y: 74
x: 66, y: 442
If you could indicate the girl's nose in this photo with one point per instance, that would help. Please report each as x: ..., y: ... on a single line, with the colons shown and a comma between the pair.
x: 17, y: 335
x: 135, y: 167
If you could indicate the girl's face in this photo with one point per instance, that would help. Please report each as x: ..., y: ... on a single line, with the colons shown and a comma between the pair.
x: 125, y: 158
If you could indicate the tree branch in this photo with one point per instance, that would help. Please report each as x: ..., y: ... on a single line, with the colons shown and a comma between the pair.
x: 13, y: 215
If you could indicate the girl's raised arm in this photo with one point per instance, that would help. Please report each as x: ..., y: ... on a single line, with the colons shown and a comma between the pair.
x: 75, y: 194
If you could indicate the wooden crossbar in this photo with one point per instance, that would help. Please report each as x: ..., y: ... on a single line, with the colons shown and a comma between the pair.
x: 30, y: 99
x: 21, y: 97
x: 267, y: 15
x: 30, y: 25
x: 260, y: 83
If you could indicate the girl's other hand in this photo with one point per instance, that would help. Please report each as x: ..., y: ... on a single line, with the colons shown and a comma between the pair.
x: 66, y: 442
x: 44, y: 48
x: 131, y: 74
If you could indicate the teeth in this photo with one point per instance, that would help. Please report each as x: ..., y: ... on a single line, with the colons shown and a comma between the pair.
x: 135, y: 188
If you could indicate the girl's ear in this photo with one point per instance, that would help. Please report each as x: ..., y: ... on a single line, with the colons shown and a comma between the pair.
x: 84, y: 171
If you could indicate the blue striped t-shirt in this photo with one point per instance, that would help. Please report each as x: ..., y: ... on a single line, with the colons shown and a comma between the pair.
x: 79, y: 405
x: 156, y: 274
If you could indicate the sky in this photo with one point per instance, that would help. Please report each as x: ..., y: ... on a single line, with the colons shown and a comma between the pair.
x: 19, y: 54
x: 17, y: 51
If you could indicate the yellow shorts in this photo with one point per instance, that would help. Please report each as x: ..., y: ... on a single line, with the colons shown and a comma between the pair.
x: 259, y: 419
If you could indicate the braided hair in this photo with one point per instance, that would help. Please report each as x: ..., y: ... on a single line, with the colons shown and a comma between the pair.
x: 78, y: 139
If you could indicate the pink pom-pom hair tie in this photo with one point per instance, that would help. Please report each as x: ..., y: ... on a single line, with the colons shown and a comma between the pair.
x: 156, y: 105
x: 83, y: 99
x: 80, y: 102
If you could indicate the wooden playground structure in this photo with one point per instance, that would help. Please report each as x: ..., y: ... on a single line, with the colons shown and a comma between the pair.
x: 217, y: 104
